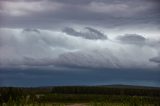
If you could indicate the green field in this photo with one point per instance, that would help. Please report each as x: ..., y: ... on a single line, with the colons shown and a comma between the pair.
x: 80, y: 96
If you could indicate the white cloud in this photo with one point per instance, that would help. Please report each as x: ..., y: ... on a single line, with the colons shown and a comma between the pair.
x: 34, y: 47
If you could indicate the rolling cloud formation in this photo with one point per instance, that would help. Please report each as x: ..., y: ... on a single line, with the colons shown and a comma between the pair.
x: 81, y: 33
x: 33, y: 47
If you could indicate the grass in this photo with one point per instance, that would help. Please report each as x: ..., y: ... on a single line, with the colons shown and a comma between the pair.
x: 81, y: 104
x: 79, y: 96
x: 86, y: 100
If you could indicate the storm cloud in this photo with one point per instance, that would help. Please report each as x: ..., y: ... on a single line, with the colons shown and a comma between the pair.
x: 53, y: 13
x: 85, y: 35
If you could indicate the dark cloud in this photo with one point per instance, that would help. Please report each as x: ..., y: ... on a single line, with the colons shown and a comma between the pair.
x: 53, y: 77
x: 89, y: 34
x: 104, y: 1
x: 96, y: 33
x: 28, y: 61
x: 132, y: 39
x: 155, y: 59
x: 31, y: 36
x: 53, y: 13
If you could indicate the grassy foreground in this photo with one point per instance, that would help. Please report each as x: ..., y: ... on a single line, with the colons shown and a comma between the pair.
x: 80, y: 96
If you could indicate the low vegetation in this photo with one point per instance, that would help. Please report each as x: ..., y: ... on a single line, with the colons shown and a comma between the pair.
x: 82, y: 95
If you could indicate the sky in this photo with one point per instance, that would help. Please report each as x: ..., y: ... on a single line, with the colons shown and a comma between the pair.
x: 79, y: 42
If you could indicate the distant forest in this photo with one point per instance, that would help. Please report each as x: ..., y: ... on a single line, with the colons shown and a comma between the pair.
x: 15, y: 93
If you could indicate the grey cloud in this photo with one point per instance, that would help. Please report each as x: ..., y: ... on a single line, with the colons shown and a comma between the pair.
x: 155, y: 59
x: 36, y: 45
x: 104, y: 1
x: 89, y: 34
x: 132, y: 39
x: 33, y: 47
x: 89, y: 59
x: 48, y: 39
x: 145, y: 12
x: 31, y: 61
x: 31, y: 30
x: 104, y: 58
x: 97, y: 33
x: 43, y: 45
